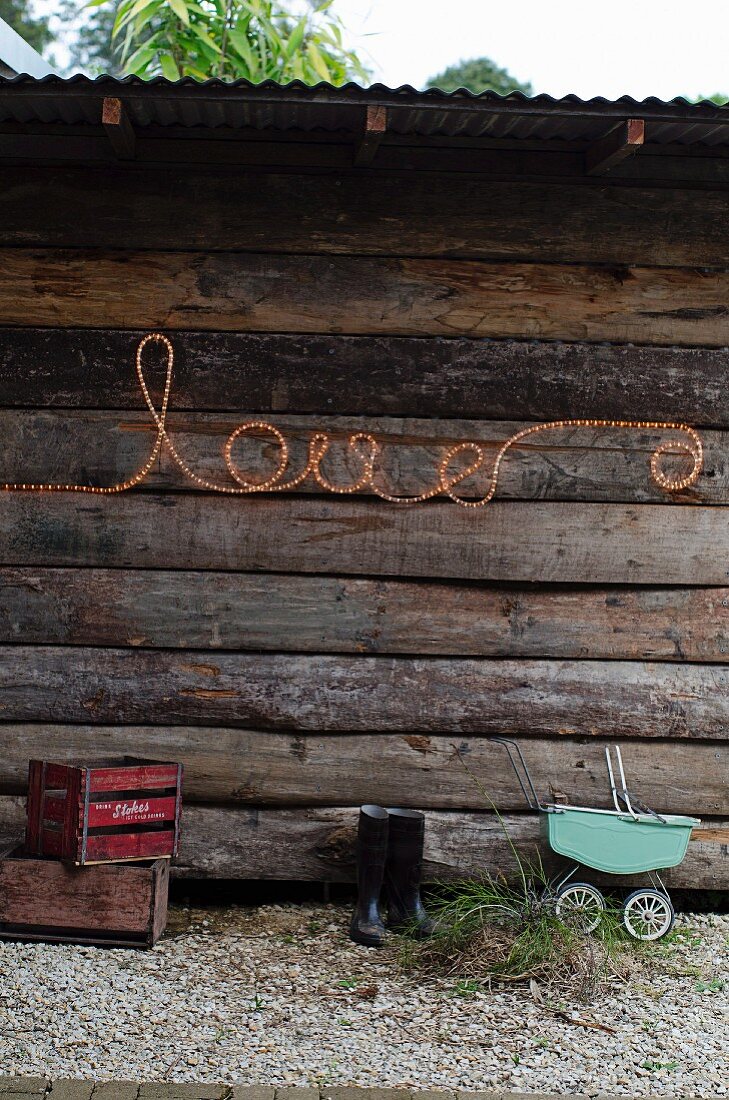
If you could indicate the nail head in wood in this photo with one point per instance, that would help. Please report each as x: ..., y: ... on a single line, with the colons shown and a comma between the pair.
x: 622, y: 141
x: 119, y: 129
x: 374, y: 131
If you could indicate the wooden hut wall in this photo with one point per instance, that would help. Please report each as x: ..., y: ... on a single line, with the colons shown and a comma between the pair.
x: 303, y: 653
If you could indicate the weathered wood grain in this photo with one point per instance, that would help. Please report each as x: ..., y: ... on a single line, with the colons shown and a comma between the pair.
x: 506, y: 541
x: 105, y: 447
x: 82, y: 207
x: 311, y: 614
x: 362, y: 694
x: 460, y: 378
x: 255, y: 767
x: 252, y: 292
x: 293, y: 152
x: 318, y: 845
x: 50, y: 899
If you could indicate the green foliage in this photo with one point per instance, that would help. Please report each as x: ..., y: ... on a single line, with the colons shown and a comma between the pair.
x: 17, y: 14
x: 719, y: 98
x: 89, y: 37
x: 478, y: 75
x: 229, y: 39
x: 714, y: 985
x: 490, y: 930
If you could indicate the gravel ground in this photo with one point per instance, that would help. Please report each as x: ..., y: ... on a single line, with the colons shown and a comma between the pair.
x: 279, y: 995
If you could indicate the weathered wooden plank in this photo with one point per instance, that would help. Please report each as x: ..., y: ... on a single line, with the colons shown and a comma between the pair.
x: 312, y: 614
x: 294, y: 152
x: 105, y: 447
x: 362, y: 694
x: 566, y: 221
x: 318, y: 845
x: 225, y: 765
x: 237, y: 291
x: 460, y: 378
x: 556, y: 543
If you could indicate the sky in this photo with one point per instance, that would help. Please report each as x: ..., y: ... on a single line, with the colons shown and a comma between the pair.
x: 589, y: 47
x: 608, y: 48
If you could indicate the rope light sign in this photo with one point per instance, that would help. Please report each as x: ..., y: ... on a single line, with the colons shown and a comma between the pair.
x: 367, y: 451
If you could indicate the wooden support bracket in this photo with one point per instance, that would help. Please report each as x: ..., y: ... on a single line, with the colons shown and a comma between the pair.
x: 617, y: 144
x: 118, y: 128
x: 374, y: 131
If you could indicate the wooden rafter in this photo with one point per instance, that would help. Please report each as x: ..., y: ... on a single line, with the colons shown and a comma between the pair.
x: 374, y: 131
x: 622, y: 141
x: 118, y: 128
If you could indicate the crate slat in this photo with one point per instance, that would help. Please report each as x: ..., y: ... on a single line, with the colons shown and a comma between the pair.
x: 131, y: 811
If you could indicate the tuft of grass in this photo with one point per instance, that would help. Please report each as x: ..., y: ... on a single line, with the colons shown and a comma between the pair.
x: 654, y: 1067
x: 714, y: 985
x: 466, y: 988
x: 491, y: 929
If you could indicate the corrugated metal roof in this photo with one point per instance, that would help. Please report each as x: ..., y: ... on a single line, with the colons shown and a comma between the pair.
x: 214, y: 103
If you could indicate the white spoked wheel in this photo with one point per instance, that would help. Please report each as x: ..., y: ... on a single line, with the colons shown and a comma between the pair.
x: 648, y: 914
x: 580, y: 906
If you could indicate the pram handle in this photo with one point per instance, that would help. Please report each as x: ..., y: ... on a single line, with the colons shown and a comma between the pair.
x: 621, y: 793
x: 521, y: 771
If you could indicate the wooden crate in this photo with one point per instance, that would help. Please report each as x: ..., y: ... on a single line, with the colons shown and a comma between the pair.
x: 124, y: 809
x: 113, y: 905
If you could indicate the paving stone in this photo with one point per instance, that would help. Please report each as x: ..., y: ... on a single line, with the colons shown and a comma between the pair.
x: 115, y: 1090
x: 28, y: 1086
x: 351, y: 1092
x: 158, y: 1090
x: 70, y: 1090
x: 433, y: 1094
x: 250, y: 1092
x: 297, y: 1094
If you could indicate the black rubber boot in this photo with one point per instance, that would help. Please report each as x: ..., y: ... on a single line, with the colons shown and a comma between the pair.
x: 402, y: 874
x: 372, y: 833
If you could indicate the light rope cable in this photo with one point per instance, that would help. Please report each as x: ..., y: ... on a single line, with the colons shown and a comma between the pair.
x: 367, y: 450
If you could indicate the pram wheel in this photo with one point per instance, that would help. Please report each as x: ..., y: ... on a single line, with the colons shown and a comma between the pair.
x: 580, y: 906
x: 648, y: 914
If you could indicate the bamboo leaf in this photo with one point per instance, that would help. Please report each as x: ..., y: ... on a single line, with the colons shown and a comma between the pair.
x: 169, y: 67
x: 317, y: 61
x: 140, y: 59
x: 198, y: 31
x: 296, y: 37
x: 179, y: 7
x: 241, y: 44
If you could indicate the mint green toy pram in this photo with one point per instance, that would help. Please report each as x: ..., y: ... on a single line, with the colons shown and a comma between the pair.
x: 631, y: 839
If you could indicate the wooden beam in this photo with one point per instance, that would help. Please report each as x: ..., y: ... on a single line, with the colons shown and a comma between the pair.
x: 602, y: 222
x: 490, y: 379
x: 542, y: 542
x: 363, y: 295
x: 118, y: 128
x: 609, y: 465
x: 364, y: 694
x: 374, y: 131
x: 268, y: 768
x: 317, y: 844
x: 617, y: 144
x: 165, y: 609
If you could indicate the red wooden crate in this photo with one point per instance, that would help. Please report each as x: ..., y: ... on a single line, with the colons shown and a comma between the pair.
x: 123, y: 905
x: 116, y: 810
